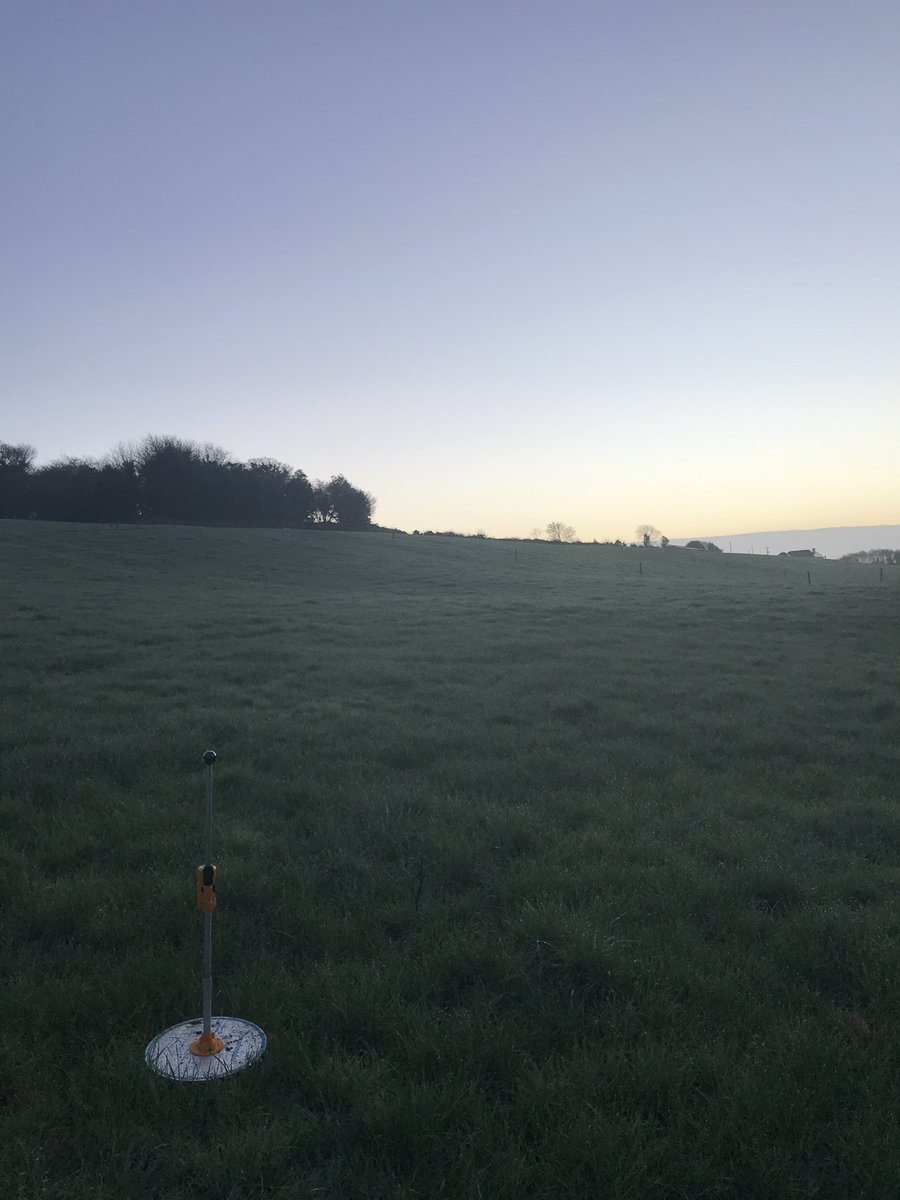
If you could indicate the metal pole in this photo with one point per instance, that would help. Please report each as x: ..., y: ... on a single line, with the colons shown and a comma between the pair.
x: 209, y: 758
x: 208, y: 1042
x: 182, y: 1052
x: 207, y: 972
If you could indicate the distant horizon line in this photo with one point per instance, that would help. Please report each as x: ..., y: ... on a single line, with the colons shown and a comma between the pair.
x: 798, y: 529
x: 887, y: 525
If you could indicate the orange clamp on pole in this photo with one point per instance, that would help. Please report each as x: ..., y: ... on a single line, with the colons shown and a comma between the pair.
x: 206, y: 888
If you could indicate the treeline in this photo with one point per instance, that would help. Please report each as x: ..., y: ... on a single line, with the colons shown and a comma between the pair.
x: 166, y: 480
x: 887, y: 558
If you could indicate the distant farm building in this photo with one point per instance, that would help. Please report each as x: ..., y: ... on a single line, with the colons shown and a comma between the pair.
x: 801, y: 554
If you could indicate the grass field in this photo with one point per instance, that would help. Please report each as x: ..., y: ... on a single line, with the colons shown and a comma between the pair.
x: 547, y: 876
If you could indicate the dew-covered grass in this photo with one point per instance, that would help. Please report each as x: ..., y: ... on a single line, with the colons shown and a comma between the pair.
x: 548, y: 874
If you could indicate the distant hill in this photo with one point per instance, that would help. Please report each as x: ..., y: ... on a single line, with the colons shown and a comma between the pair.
x: 833, y: 542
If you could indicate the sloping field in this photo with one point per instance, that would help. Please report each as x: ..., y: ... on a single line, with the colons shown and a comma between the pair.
x: 557, y: 871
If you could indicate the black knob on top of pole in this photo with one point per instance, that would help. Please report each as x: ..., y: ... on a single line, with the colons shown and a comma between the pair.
x: 210, y: 757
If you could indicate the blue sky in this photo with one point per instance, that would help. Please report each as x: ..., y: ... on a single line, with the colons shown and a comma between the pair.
x: 498, y: 263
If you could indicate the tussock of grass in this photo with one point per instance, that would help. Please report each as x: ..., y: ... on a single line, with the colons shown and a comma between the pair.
x: 545, y: 877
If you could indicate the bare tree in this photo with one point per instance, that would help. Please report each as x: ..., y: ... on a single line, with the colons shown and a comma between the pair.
x: 646, y: 532
x: 557, y: 531
x: 124, y: 455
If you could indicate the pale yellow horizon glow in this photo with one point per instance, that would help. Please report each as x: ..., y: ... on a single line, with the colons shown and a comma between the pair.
x: 781, y: 490
x: 611, y: 520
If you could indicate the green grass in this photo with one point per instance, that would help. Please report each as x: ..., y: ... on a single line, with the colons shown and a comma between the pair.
x: 546, y: 878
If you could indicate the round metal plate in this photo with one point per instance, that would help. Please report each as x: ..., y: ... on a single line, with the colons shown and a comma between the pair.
x: 169, y: 1054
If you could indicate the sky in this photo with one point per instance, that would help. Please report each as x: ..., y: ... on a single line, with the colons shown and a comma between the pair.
x: 499, y: 263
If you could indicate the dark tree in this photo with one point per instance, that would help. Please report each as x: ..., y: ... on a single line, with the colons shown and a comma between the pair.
x: 16, y: 463
x: 120, y: 486
x: 352, y: 506
x: 340, y: 504
x: 298, y: 498
x: 170, y: 480
x: 168, y: 470
x: 68, y: 490
x: 322, y: 508
x: 183, y: 481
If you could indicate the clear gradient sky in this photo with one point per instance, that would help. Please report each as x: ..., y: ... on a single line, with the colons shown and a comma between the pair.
x: 498, y: 262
